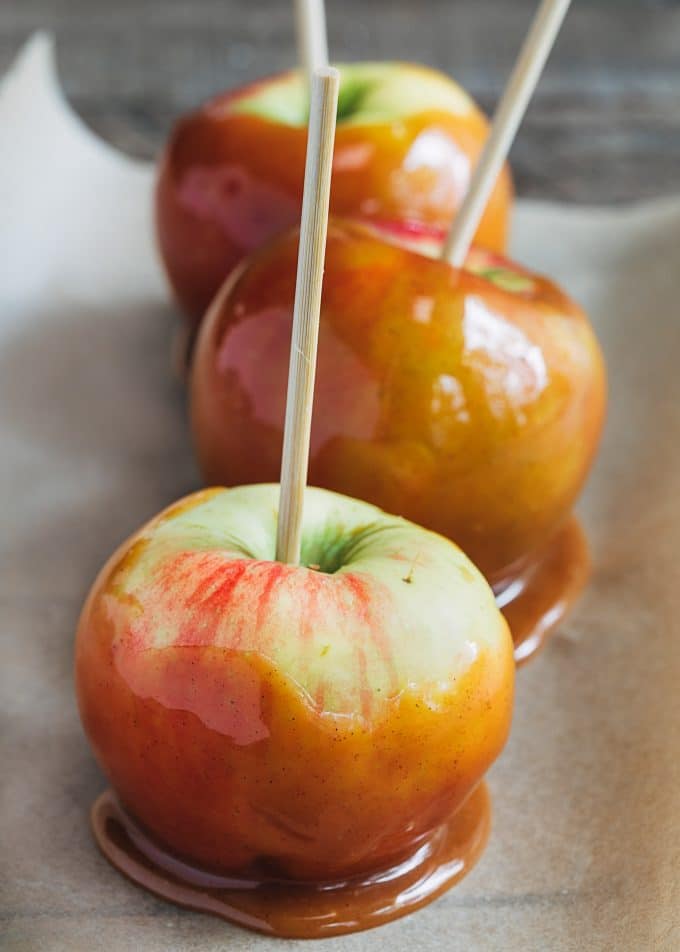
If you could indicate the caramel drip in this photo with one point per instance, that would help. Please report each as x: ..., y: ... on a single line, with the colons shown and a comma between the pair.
x: 546, y: 591
x: 298, y: 909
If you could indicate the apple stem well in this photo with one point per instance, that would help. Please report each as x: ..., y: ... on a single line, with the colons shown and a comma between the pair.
x: 312, y: 42
x: 506, y: 121
x: 306, y: 311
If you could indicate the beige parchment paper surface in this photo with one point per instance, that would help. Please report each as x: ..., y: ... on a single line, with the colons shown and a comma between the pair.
x: 585, y: 848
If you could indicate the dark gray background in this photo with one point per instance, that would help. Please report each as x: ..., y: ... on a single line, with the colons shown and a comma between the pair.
x: 603, y: 127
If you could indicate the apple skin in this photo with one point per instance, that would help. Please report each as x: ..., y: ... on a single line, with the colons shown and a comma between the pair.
x: 229, y: 179
x: 470, y: 407
x: 311, y: 724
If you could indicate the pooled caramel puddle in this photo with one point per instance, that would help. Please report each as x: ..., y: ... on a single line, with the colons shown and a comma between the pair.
x: 299, y: 909
x: 546, y: 591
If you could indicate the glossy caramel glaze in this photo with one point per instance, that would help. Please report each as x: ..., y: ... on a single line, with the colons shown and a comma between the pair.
x: 310, y: 795
x: 230, y: 181
x: 299, y: 909
x: 542, y: 595
x: 254, y: 715
x: 441, y: 396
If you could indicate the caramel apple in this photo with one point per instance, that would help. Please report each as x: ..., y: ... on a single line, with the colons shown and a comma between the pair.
x: 266, y: 724
x: 231, y: 175
x: 469, y: 401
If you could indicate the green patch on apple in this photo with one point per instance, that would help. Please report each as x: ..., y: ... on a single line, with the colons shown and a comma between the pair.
x: 369, y: 93
x: 505, y: 279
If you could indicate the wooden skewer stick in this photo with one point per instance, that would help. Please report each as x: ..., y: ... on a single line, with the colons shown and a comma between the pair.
x: 306, y: 310
x: 310, y: 18
x: 506, y: 121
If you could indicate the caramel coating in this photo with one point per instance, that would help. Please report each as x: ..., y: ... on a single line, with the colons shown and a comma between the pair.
x: 441, y: 395
x: 230, y: 181
x: 197, y: 712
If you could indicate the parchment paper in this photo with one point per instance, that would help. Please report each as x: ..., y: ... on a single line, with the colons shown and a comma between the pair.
x: 585, y: 848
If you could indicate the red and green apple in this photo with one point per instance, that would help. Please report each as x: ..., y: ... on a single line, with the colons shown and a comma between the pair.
x: 231, y: 175
x: 320, y: 718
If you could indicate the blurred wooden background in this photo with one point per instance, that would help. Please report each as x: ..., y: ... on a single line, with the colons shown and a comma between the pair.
x: 604, y: 126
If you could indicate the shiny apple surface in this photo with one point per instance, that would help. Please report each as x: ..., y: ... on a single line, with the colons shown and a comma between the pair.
x: 231, y: 175
x: 309, y: 722
x: 470, y: 402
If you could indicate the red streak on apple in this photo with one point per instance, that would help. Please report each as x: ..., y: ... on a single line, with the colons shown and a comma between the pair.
x: 206, y: 599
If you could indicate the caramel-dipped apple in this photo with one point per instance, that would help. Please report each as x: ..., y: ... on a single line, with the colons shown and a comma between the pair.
x: 231, y: 175
x: 468, y: 401
x: 267, y: 727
